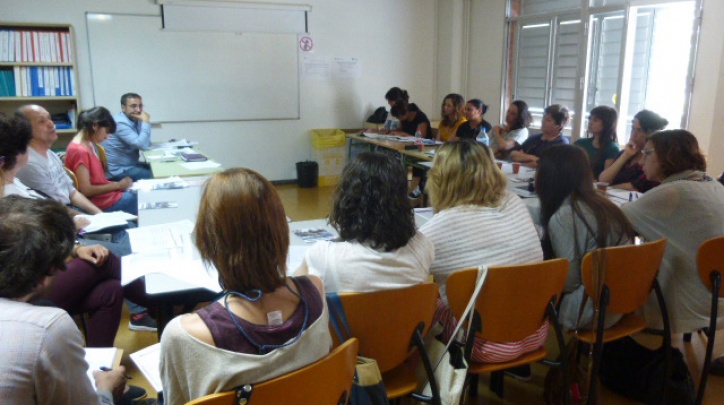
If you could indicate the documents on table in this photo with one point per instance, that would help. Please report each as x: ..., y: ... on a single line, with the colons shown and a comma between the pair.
x: 181, y: 143
x: 422, y: 215
x: 168, y: 183
x: 106, y: 220
x: 148, y: 361
x: 620, y: 197
x: 97, y: 357
x: 209, y: 164
x: 167, y: 249
x: 311, y: 235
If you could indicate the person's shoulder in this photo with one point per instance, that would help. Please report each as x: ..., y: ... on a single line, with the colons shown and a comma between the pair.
x: 582, y: 141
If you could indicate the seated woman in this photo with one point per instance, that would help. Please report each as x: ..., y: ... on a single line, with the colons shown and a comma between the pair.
x: 411, y: 120
x: 626, y: 172
x: 452, y: 117
x: 577, y: 219
x: 477, y: 221
x: 394, y: 96
x: 513, y: 132
x: 686, y: 209
x: 475, y: 127
x: 602, y: 144
x: 266, y: 324
x: 91, y: 284
x: 379, y: 247
x: 81, y: 158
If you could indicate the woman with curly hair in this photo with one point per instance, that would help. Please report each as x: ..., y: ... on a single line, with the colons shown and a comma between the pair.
x: 452, y: 115
x: 601, y: 146
x: 379, y: 247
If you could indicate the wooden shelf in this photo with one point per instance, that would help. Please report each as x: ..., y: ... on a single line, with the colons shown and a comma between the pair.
x: 42, y: 64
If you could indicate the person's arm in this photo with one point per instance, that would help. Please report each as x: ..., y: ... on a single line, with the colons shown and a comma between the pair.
x: 623, y: 186
x: 92, y: 190
x: 503, y: 144
x: 424, y: 129
x: 80, y: 201
x: 611, y: 171
x: 128, y: 135
x: 60, y: 374
x: 521, y: 157
x: 96, y: 254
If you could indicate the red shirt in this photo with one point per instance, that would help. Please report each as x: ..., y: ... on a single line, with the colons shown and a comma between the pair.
x: 77, y: 155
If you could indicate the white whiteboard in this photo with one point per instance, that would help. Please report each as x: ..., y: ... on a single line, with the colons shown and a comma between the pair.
x: 192, y: 76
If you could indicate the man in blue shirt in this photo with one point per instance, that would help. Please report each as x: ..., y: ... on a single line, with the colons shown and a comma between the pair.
x: 555, y: 119
x: 133, y: 134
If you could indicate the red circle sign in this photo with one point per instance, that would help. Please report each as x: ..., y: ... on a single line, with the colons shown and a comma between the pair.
x: 306, y: 43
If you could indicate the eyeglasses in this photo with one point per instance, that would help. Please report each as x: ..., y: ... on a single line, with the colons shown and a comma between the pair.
x: 135, y: 106
x: 647, y: 152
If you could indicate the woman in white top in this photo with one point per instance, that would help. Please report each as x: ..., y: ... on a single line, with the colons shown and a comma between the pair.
x: 513, y: 132
x: 477, y: 222
x: 686, y: 209
x: 379, y: 247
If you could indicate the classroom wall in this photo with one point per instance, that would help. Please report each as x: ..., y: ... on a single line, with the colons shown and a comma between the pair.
x: 390, y: 37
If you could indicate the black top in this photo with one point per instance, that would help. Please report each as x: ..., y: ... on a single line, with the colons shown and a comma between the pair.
x: 535, y: 145
x: 411, y: 126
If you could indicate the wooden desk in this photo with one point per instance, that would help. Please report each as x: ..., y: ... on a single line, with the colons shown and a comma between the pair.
x: 174, y: 168
x: 410, y: 157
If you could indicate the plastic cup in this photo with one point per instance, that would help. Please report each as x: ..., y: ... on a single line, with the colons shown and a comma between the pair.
x: 516, y: 168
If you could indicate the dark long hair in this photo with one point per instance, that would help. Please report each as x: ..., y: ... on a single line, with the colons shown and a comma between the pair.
x: 397, y: 95
x: 524, y: 117
x: 677, y: 150
x: 608, y: 116
x: 96, y: 116
x: 563, y: 171
x: 371, y: 204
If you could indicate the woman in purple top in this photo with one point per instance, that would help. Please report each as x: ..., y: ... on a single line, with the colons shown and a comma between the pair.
x: 266, y: 324
x: 627, y: 172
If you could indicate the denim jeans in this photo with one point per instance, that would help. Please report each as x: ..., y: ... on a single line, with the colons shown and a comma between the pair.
x: 137, y: 172
x: 128, y: 203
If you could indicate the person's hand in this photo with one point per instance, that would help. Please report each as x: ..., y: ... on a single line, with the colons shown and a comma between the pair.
x: 112, y: 380
x: 630, y: 150
x: 125, y: 183
x: 95, y: 254
x: 499, y: 130
x: 80, y: 222
x: 143, y: 116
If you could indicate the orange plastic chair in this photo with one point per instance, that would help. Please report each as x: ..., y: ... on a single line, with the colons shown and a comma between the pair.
x: 710, y: 261
x: 512, y: 304
x: 101, y: 151
x: 326, y: 382
x: 72, y: 177
x: 630, y: 275
x: 390, y: 325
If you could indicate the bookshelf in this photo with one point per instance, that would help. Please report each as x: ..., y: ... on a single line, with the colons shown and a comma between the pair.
x: 38, y: 66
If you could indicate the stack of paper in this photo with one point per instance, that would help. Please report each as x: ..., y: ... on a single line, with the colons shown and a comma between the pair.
x: 148, y: 361
x: 167, y: 249
x: 97, y: 357
x: 107, y: 220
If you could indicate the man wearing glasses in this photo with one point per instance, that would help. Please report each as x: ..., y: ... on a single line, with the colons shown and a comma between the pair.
x: 133, y: 134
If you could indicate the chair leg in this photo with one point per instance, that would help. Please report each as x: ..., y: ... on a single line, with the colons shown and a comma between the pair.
x: 473, y: 380
x: 497, y: 381
x: 715, y: 277
x: 597, y: 348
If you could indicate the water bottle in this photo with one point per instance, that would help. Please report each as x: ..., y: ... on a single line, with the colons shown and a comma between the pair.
x: 418, y: 141
x: 483, y: 138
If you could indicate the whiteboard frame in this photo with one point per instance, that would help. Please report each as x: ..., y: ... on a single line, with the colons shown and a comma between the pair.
x: 297, y: 117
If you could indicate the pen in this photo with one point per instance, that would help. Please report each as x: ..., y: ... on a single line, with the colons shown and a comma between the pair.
x: 630, y: 196
x: 128, y: 377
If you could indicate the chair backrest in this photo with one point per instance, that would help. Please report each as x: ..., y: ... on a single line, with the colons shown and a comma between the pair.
x: 513, y: 301
x: 72, y: 177
x: 384, y: 321
x: 101, y: 151
x: 710, y: 258
x: 322, y: 382
x: 630, y: 273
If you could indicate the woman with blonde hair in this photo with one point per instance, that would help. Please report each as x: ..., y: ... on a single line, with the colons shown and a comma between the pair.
x: 477, y: 221
x: 452, y: 115
x: 266, y: 324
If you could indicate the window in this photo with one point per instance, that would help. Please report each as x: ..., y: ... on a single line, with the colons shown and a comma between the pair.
x: 612, y: 53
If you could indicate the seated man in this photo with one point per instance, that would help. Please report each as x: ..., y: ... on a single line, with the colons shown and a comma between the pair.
x: 555, y: 119
x: 41, y: 349
x: 45, y: 173
x: 133, y: 134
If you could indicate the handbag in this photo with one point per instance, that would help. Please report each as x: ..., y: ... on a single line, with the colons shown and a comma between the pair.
x: 637, y: 372
x: 367, y: 387
x: 450, y: 365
